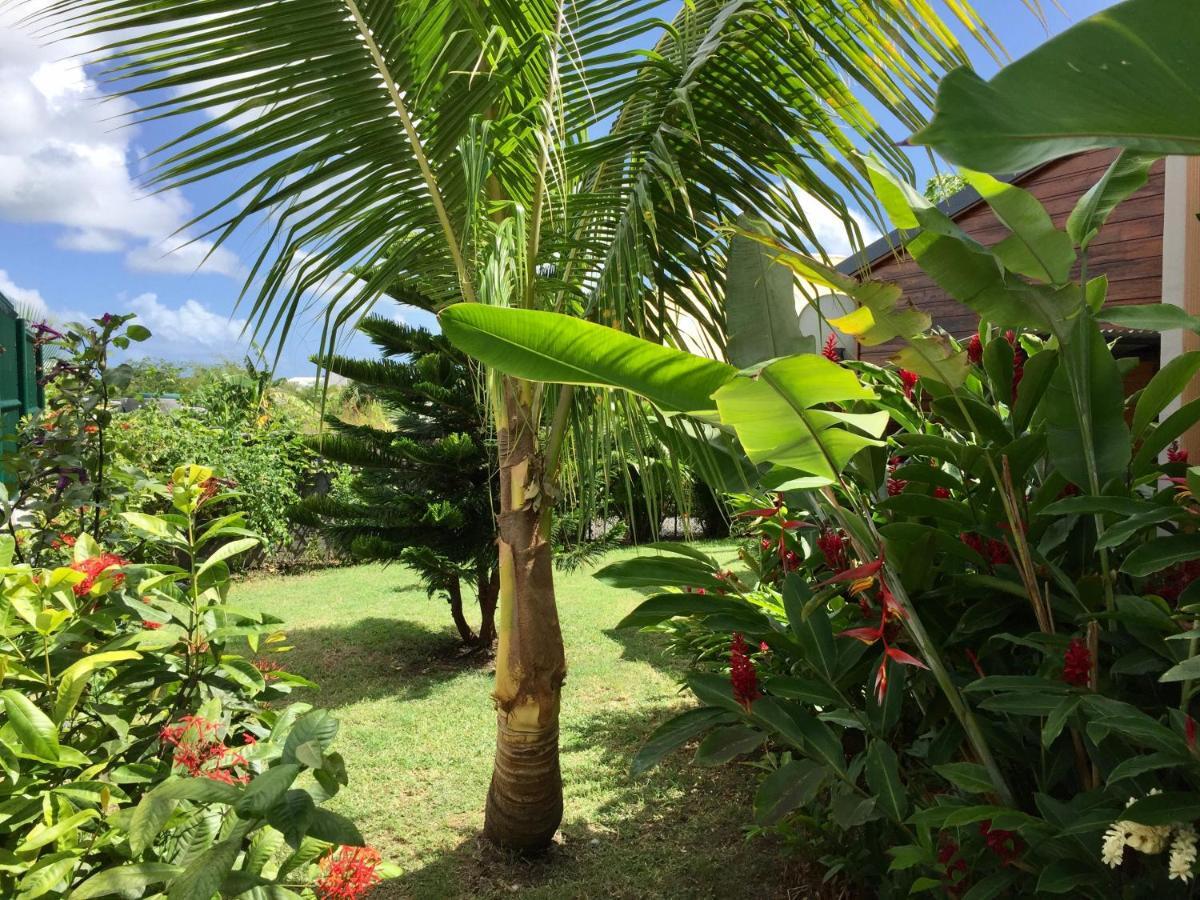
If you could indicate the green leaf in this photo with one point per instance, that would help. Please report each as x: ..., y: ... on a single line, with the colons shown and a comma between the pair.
x: 36, y: 731
x: 1185, y: 671
x: 792, y: 785
x: 1150, y: 317
x: 47, y: 874
x: 318, y: 726
x: 152, y: 525
x: 803, y: 730
x: 673, y: 734
x: 883, y: 776
x: 1119, y: 532
x: 1166, y: 385
x: 43, y: 834
x: 550, y: 347
x: 659, y: 571
x: 1164, y: 809
x: 202, y: 879
x: 880, y: 317
x: 75, y: 677
x: 760, y: 302
x: 266, y: 790
x: 1112, y: 80
x: 1134, y: 766
x: 149, y: 818
x: 775, y: 421
x: 1086, y: 388
x: 1057, y: 720
x: 970, y: 777
x: 725, y: 744
x: 807, y: 690
x: 1036, y: 248
x: 1161, y: 552
x: 1122, y: 179
x: 665, y: 606
x: 125, y: 880
x: 334, y: 829
x: 137, y: 332
x: 225, y: 551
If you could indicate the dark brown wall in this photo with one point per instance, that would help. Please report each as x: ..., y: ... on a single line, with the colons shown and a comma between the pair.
x: 1128, y: 249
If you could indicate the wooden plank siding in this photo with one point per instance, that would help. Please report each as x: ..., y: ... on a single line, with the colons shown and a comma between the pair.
x: 1129, y: 249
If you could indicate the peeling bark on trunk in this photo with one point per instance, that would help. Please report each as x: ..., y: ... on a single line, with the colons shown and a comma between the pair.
x: 454, y: 597
x: 524, y: 803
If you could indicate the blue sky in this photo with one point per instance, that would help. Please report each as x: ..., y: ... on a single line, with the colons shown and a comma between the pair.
x: 78, y: 236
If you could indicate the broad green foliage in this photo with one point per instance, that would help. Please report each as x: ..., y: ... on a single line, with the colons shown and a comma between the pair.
x: 1125, y: 77
x: 977, y: 642
x: 143, y: 754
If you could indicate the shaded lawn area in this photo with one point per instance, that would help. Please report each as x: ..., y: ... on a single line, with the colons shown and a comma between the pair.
x: 417, y: 731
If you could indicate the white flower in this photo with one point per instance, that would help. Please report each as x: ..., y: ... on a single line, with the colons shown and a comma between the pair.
x: 1113, y: 852
x: 1183, y: 853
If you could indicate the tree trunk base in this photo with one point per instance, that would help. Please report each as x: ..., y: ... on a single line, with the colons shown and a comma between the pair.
x: 524, y: 801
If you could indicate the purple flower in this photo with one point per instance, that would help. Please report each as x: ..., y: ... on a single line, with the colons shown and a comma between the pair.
x: 45, y: 332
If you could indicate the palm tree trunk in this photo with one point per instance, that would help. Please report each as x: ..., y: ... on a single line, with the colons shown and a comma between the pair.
x: 524, y: 803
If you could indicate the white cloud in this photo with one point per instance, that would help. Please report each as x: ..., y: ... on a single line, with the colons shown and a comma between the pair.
x: 191, y: 329
x: 27, y: 300
x: 182, y: 257
x: 67, y: 159
x: 828, y: 226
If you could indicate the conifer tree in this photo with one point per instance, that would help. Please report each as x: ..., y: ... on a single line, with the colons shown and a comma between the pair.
x: 423, y: 490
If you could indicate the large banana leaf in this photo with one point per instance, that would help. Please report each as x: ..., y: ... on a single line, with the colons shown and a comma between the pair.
x: 1126, y: 77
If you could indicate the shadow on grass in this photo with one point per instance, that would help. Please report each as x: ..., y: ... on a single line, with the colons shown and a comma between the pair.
x: 676, y: 832
x: 378, y: 657
x: 647, y: 647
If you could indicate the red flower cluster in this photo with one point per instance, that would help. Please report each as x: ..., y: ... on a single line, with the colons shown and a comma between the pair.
x: 151, y: 625
x: 908, y: 381
x: 63, y: 540
x: 975, y: 349
x: 994, y: 551
x: 1175, y: 455
x: 1005, y: 844
x: 200, y: 752
x: 956, y: 866
x: 741, y: 672
x: 832, y: 545
x: 942, y: 493
x: 831, y: 351
x: 347, y: 873
x: 210, y: 487
x: 1077, y: 663
x: 895, y: 485
x: 94, y: 567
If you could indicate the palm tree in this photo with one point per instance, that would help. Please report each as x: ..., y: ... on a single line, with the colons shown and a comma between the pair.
x: 582, y: 157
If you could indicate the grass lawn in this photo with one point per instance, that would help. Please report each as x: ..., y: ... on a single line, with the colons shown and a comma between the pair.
x: 418, y: 734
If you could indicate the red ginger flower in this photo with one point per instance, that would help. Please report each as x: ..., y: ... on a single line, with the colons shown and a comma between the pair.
x: 833, y: 547
x: 94, y: 567
x: 975, y: 349
x: 151, y: 625
x: 741, y: 672
x: 896, y: 486
x: 831, y: 351
x: 942, y: 493
x: 1175, y: 455
x: 347, y: 873
x: 909, y: 381
x: 1077, y: 663
x: 1005, y: 844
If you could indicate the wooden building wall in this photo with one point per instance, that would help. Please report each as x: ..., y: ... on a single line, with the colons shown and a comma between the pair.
x: 1129, y: 249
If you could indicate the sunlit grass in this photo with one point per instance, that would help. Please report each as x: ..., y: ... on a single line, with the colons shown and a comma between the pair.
x: 418, y: 732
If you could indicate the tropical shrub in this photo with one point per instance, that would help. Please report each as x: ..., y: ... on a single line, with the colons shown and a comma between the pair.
x: 61, y: 473
x: 144, y: 753
x: 422, y: 492
x: 966, y: 629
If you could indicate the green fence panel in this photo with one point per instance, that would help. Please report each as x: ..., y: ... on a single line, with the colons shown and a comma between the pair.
x: 20, y: 373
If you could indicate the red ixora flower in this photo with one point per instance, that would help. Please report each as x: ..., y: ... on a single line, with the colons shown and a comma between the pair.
x: 94, y: 567
x: 831, y: 351
x: 909, y: 381
x: 942, y: 493
x: 1175, y: 455
x: 268, y: 668
x: 975, y: 349
x: 151, y: 625
x: 200, y: 752
x: 1077, y: 663
x: 1005, y: 844
x: 347, y: 873
x: 742, y: 673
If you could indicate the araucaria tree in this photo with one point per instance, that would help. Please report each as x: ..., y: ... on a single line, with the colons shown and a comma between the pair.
x: 423, y: 492
x: 579, y: 157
